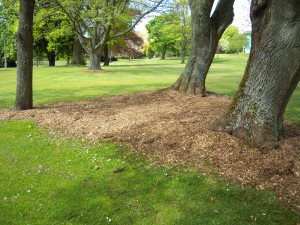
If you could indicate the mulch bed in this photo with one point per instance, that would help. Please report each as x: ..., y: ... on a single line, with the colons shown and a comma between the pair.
x: 174, y: 128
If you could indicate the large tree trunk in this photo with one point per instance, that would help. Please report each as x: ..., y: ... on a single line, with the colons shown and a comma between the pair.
x: 51, y: 58
x: 106, y: 55
x: 271, y: 75
x: 163, y: 54
x: 95, y: 59
x: 25, y: 56
x: 76, y: 54
x: 206, y: 33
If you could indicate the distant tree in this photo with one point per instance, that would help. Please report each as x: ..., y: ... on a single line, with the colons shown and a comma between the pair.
x: 207, y: 30
x: 25, y: 56
x: 77, y: 52
x: 271, y: 75
x: 53, y: 35
x: 236, y: 41
x: 181, y: 25
x: 130, y: 45
x: 161, y: 37
x: 99, y: 21
x: 8, y: 14
x: 147, y: 50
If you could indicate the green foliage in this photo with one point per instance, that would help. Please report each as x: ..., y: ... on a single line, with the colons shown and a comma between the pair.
x: 148, y: 50
x: 8, y: 16
x: 52, y: 32
x: 232, y: 41
x: 171, y: 31
x: 47, y: 179
x: 161, y: 38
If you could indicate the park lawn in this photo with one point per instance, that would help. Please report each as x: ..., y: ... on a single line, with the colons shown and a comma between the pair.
x: 48, y: 179
x: 65, y: 83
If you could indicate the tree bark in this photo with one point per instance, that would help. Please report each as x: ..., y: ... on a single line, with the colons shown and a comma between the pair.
x: 183, y: 53
x: 25, y: 56
x: 5, y: 54
x: 206, y: 33
x: 163, y: 54
x: 76, y: 52
x: 106, y: 55
x: 51, y: 58
x: 271, y: 75
x: 95, y: 59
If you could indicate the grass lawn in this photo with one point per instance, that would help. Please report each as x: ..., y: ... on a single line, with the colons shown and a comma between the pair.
x: 48, y: 179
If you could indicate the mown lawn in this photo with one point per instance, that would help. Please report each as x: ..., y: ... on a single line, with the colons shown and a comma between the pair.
x: 63, y: 83
x: 48, y: 179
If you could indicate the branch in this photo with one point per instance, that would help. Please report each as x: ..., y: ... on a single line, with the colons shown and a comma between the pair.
x: 136, y: 22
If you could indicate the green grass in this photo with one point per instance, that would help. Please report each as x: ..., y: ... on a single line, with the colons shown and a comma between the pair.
x: 64, y: 83
x: 47, y: 179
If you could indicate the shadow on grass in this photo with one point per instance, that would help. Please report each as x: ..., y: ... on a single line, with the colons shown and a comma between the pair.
x: 69, y: 191
x: 163, y: 196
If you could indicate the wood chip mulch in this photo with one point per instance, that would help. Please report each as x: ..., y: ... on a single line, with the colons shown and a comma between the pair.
x: 174, y: 128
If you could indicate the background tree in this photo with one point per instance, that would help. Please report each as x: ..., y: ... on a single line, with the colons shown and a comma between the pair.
x: 235, y: 41
x: 182, y: 25
x: 25, y: 56
x: 129, y: 45
x: 206, y: 33
x: 8, y: 14
x: 53, y: 35
x: 95, y: 21
x: 161, y: 36
x: 271, y: 75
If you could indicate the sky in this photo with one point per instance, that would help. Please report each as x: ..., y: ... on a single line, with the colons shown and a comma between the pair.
x: 241, y: 18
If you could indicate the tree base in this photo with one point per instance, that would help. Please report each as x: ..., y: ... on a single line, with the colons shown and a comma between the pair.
x: 260, y: 136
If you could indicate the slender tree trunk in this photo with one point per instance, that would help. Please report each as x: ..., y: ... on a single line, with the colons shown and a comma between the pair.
x: 5, y: 54
x: 106, y: 55
x: 25, y: 56
x: 95, y: 59
x: 183, y: 53
x: 206, y: 33
x: 76, y: 52
x: 163, y: 54
x: 51, y: 58
x: 271, y: 75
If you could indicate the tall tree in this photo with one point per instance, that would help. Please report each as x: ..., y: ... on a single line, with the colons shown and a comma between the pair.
x: 8, y: 14
x: 25, y: 56
x: 77, y: 53
x: 271, y: 75
x: 236, y: 41
x: 99, y: 21
x: 206, y: 33
x: 161, y: 37
x: 183, y: 28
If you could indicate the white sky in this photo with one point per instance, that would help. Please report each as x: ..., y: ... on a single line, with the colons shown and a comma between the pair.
x: 241, y: 18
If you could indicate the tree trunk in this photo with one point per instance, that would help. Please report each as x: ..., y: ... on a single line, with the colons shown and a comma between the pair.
x: 5, y: 54
x: 163, y: 54
x: 183, y: 53
x: 95, y: 59
x: 271, y: 75
x: 76, y: 52
x: 25, y: 56
x: 206, y: 33
x: 51, y: 58
x: 106, y: 55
